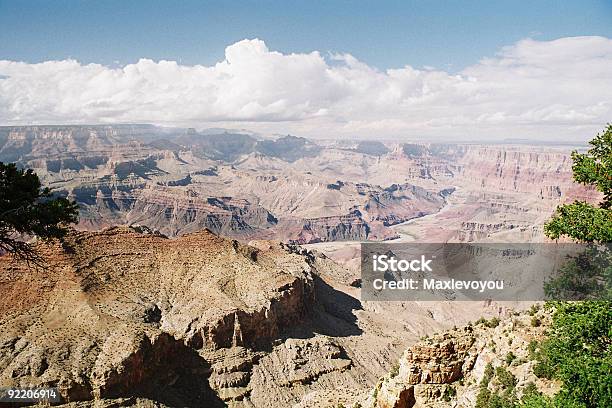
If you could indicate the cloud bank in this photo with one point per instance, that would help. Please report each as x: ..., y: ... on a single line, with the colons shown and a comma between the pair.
x: 545, y: 89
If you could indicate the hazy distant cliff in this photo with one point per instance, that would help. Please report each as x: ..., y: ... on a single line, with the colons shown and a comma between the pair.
x: 290, y: 188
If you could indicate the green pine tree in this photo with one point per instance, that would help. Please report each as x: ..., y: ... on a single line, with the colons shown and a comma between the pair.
x: 27, y: 209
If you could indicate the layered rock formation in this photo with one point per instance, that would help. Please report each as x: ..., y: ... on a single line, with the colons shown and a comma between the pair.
x: 291, y: 188
x: 448, y: 369
x: 121, y: 312
x: 129, y: 317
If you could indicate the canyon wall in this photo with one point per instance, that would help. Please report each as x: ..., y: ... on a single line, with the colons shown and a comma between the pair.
x: 179, y: 181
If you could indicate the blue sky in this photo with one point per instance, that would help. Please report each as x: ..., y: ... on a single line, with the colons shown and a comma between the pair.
x: 448, y: 35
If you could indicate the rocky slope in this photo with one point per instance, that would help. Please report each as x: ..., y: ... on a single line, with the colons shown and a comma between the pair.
x: 126, y: 316
x: 193, y: 321
x: 120, y: 311
x: 451, y: 369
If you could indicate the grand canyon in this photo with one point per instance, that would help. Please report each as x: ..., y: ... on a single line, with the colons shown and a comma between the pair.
x: 221, y: 267
x: 332, y: 204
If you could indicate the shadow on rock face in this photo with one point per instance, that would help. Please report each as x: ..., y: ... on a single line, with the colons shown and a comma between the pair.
x: 335, y: 316
x: 332, y: 314
x: 173, y: 375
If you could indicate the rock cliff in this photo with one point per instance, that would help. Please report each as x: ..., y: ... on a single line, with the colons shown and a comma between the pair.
x: 120, y: 311
x: 448, y: 369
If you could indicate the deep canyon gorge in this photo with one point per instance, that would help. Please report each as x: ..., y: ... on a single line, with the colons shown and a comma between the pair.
x: 216, y: 267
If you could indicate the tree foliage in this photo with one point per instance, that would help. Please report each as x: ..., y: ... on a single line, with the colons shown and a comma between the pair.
x: 578, y: 350
x: 581, y: 220
x: 586, y: 276
x: 27, y: 209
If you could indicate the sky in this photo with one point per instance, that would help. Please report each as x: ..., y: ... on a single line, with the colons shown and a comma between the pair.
x: 414, y: 69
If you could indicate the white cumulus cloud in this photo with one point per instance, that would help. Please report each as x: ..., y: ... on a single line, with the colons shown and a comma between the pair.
x: 547, y: 89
